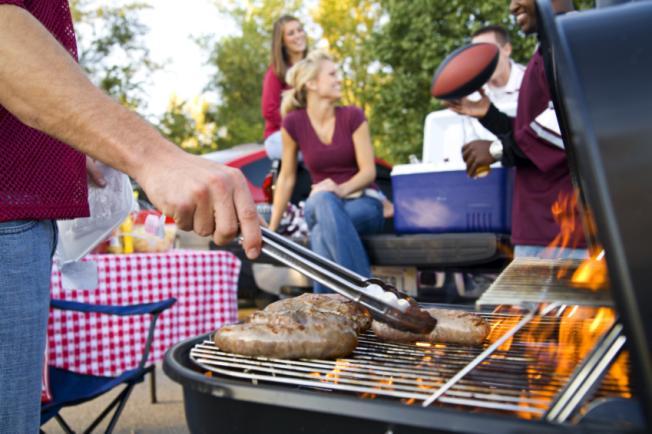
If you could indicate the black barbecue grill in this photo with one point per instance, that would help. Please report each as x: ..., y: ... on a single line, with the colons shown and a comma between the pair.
x: 528, y: 377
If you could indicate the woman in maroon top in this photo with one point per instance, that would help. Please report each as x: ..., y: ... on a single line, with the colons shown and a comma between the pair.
x: 337, y: 151
x: 288, y: 47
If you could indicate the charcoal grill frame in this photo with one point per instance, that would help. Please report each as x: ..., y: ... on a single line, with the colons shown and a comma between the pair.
x: 229, y: 406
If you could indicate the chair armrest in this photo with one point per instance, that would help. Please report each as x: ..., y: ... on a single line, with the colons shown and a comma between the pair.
x: 134, y: 309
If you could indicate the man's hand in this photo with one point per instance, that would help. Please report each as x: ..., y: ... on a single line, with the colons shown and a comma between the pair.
x: 94, y: 174
x: 326, y: 185
x: 205, y: 197
x: 476, y: 154
x: 477, y: 109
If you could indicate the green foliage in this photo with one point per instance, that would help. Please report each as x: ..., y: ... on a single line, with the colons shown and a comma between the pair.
x: 240, y: 63
x: 190, y: 125
x: 347, y: 26
x: 112, y: 48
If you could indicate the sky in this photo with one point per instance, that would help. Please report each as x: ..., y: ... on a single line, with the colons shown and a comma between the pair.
x: 172, y: 25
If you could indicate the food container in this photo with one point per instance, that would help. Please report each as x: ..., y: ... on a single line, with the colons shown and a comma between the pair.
x: 146, y: 240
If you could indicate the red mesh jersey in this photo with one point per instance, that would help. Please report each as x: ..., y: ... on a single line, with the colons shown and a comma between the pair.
x: 40, y: 177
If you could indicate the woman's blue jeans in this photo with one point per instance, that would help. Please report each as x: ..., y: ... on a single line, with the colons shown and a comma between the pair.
x: 336, y: 225
x: 26, y: 248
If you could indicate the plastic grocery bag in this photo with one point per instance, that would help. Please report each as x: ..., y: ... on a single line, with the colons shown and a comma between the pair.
x: 109, y: 206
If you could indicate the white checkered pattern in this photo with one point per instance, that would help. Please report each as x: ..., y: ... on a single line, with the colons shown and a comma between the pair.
x: 203, y: 282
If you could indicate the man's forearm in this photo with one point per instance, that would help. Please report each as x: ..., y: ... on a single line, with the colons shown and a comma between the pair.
x: 42, y: 85
x: 497, y: 122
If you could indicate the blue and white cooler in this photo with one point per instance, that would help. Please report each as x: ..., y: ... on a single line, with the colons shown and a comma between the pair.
x: 432, y: 199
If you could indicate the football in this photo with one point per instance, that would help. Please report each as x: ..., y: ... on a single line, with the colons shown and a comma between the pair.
x: 464, y: 71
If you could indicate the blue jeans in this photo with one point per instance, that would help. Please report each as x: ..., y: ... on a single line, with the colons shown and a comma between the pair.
x: 335, y: 226
x: 549, y: 253
x: 26, y: 249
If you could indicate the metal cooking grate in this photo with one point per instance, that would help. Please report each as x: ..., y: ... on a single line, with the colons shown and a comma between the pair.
x: 521, y: 378
x: 542, y: 280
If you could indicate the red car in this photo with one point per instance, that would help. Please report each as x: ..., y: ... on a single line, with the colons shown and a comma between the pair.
x: 252, y: 160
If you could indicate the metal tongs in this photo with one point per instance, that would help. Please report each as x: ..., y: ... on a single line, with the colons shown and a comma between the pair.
x: 347, y: 283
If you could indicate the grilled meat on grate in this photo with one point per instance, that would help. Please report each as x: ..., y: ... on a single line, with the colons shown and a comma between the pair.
x: 327, y: 303
x: 290, y: 335
x: 453, y: 327
x: 311, y: 325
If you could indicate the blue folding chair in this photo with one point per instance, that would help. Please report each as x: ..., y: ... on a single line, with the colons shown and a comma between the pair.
x: 70, y: 388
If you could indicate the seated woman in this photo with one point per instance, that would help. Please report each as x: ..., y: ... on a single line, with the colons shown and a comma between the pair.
x: 289, y: 46
x: 344, y: 203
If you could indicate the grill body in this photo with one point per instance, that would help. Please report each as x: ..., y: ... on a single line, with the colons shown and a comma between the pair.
x: 218, y: 405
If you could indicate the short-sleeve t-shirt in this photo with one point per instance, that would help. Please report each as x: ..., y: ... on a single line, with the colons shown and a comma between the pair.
x: 41, y: 177
x: 335, y: 160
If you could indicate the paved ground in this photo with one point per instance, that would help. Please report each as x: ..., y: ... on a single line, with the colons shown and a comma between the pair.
x: 140, y: 416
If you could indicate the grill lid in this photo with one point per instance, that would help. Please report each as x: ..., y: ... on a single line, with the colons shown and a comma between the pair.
x: 600, y: 61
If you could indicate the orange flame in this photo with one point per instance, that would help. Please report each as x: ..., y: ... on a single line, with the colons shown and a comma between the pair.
x: 564, y: 212
x: 570, y: 341
x: 592, y: 273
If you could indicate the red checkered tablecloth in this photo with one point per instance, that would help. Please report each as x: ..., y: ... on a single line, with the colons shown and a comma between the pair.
x: 203, y: 282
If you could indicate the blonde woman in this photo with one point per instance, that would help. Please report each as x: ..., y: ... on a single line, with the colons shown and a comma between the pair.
x: 344, y: 202
x: 289, y: 45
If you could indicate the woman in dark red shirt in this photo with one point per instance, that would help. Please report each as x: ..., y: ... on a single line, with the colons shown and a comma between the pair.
x: 344, y: 202
x: 288, y: 47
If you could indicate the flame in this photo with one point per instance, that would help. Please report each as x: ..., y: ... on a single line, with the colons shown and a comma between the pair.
x: 564, y: 212
x: 553, y: 347
x: 499, y: 327
x: 592, y: 273
x: 334, y: 375
x: 569, y: 341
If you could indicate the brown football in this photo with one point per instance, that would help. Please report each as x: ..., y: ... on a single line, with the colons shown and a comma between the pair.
x: 464, y: 71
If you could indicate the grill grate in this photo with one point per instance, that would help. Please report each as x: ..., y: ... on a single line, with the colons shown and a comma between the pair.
x: 520, y: 377
x: 532, y: 280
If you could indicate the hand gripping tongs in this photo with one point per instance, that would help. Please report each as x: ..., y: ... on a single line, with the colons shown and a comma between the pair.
x: 404, y: 316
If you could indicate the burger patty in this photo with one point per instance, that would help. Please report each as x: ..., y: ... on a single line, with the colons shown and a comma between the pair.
x: 453, y: 327
x: 327, y: 303
x: 308, y: 327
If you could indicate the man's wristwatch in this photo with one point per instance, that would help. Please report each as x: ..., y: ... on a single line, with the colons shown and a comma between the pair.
x: 496, y: 150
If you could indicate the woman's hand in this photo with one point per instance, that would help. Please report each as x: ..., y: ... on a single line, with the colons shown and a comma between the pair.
x: 327, y: 185
x: 464, y: 106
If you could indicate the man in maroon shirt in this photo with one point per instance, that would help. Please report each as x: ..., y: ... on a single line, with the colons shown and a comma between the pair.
x: 531, y: 143
x: 47, y: 108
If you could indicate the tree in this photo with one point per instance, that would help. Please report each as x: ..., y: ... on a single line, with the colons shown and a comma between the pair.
x: 240, y: 63
x: 112, y: 49
x: 189, y: 124
x: 347, y: 26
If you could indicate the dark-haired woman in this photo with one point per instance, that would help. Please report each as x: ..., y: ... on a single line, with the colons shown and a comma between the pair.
x: 289, y: 45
